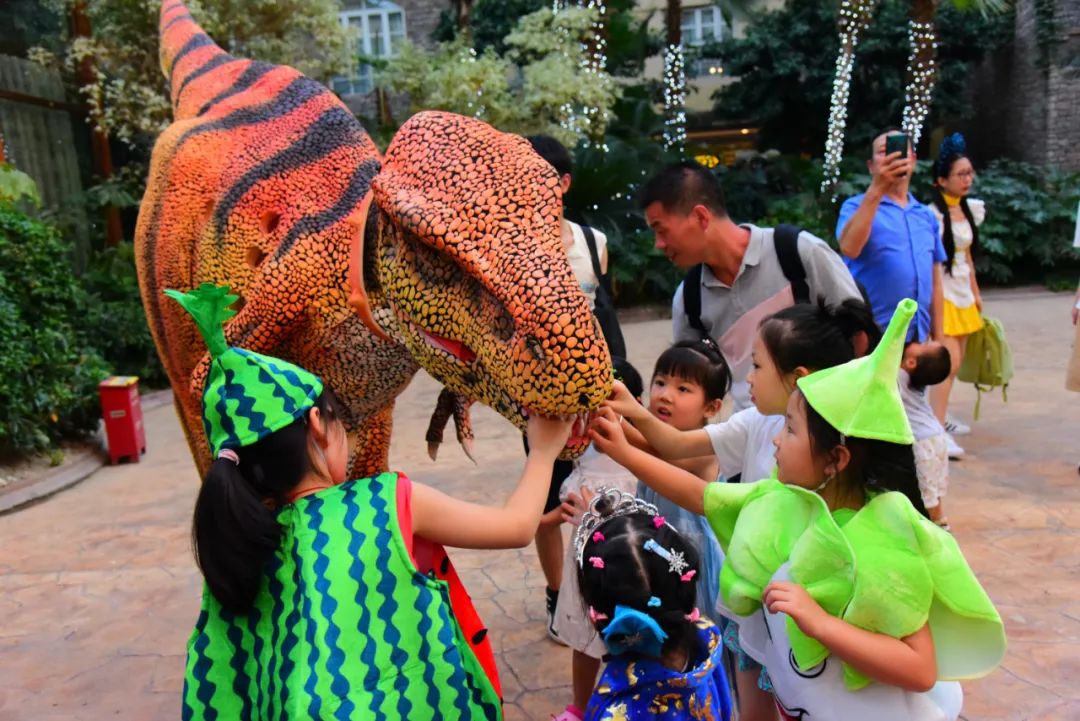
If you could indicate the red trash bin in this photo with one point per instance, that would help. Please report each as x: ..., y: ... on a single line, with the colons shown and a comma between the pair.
x: 122, y: 411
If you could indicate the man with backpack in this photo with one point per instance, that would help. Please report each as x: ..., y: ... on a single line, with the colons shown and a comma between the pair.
x: 738, y: 274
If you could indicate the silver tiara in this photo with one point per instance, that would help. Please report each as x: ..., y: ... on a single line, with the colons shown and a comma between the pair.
x: 613, y: 503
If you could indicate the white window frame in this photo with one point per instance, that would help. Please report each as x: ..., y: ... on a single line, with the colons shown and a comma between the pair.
x: 361, y: 80
x: 695, y: 16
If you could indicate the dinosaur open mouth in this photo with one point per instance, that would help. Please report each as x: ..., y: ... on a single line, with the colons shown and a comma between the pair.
x: 456, y: 348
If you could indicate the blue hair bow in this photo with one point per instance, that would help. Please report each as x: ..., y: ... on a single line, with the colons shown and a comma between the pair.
x: 638, y: 632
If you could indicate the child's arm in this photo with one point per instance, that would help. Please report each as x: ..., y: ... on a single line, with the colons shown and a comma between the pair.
x: 668, y: 441
x: 908, y: 663
x: 449, y: 521
x: 671, y: 482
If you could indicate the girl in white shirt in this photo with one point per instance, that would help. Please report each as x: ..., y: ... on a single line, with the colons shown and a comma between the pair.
x: 789, y: 344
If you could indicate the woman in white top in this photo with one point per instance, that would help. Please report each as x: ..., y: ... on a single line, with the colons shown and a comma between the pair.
x: 958, y: 219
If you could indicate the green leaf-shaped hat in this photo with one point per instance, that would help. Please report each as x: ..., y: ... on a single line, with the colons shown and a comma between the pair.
x: 247, y: 395
x: 861, y: 398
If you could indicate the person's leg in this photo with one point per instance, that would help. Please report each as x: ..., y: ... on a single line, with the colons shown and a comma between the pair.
x: 754, y: 703
x: 939, y: 394
x: 585, y: 670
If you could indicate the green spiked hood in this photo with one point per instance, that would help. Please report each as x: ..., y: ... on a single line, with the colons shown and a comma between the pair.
x: 861, y: 398
x: 247, y: 396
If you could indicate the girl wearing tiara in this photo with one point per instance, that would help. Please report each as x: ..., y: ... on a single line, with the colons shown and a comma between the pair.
x: 858, y: 606
x: 638, y: 579
x: 959, y: 218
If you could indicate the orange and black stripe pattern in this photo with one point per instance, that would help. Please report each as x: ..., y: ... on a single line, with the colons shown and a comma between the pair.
x: 259, y: 184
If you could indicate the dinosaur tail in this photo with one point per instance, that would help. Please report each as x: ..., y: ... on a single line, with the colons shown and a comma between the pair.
x: 189, y: 58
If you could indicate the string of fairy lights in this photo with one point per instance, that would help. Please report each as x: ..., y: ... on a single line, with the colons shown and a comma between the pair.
x: 855, y: 15
x: 921, y: 75
x: 587, y: 121
x: 674, y: 98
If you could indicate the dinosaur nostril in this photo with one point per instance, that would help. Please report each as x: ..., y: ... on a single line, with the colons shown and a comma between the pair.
x: 268, y: 221
x: 583, y: 400
x: 255, y: 256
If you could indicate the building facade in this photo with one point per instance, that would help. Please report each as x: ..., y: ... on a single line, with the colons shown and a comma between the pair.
x: 377, y: 29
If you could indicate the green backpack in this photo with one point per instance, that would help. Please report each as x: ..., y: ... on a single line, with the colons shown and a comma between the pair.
x: 987, y: 360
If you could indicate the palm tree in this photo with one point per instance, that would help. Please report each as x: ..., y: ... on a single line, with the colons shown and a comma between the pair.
x: 921, y: 69
x: 922, y: 32
x: 674, y: 78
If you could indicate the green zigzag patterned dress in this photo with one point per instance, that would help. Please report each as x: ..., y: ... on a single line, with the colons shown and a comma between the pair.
x: 344, y: 627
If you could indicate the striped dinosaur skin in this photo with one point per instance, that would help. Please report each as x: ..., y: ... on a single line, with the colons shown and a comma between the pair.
x: 262, y: 183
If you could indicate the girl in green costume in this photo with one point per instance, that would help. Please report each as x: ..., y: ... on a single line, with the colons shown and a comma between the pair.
x: 315, y: 605
x: 857, y: 604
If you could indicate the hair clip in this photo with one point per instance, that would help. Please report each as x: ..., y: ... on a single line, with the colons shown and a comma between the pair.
x: 596, y: 561
x: 688, y: 576
x: 597, y: 537
x: 654, y: 602
x: 658, y: 521
x: 595, y: 615
x: 694, y: 615
x: 676, y: 561
x: 229, y: 454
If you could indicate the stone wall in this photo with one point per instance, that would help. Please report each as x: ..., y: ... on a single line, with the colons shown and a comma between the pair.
x: 1024, y: 110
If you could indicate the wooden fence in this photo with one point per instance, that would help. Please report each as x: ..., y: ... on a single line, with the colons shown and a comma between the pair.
x: 39, y: 139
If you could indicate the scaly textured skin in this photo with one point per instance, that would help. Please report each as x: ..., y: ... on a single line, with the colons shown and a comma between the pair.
x: 259, y: 183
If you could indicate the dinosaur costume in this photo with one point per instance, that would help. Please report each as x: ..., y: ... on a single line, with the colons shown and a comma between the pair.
x: 343, y: 624
x: 444, y: 254
x: 884, y: 568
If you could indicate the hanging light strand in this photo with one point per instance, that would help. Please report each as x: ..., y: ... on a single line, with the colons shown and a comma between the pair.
x: 855, y: 15
x: 674, y: 98
x: 921, y: 74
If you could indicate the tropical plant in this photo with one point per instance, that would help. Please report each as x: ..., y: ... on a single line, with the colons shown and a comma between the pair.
x: 540, y: 84
x: 118, y: 72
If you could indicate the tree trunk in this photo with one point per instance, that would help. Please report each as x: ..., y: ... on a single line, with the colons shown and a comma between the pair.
x: 921, y: 70
x: 674, y: 79
x: 463, y: 18
x: 99, y: 145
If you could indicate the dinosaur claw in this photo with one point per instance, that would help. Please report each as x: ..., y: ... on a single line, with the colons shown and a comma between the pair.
x: 433, y: 451
x: 467, y: 446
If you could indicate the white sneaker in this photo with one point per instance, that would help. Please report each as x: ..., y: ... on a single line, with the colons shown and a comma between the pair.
x: 957, y: 428
x: 955, y: 451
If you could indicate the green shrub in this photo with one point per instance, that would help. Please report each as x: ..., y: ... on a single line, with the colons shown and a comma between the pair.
x: 48, y: 373
x: 115, y: 321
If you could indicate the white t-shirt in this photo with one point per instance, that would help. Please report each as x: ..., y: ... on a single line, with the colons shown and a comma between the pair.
x: 581, y: 261
x: 744, y: 444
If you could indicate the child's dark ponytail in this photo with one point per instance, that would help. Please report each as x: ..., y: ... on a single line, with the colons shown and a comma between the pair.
x: 235, y: 530
x: 626, y: 573
x: 818, y: 336
x: 875, y: 466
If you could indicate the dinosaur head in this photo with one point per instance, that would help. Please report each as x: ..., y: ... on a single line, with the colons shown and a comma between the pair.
x: 468, y: 257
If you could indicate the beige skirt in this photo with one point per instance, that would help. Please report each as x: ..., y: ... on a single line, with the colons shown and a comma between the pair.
x: 1072, y: 374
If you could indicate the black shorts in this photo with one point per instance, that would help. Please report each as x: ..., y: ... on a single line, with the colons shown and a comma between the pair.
x: 558, y: 474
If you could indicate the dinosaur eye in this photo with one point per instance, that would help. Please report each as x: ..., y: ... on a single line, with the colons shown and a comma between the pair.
x: 535, y: 347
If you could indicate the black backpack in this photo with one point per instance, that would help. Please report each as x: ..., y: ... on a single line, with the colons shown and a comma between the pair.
x: 604, y: 308
x: 786, y: 242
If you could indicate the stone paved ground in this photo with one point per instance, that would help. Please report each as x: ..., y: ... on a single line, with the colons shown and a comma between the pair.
x: 98, y: 591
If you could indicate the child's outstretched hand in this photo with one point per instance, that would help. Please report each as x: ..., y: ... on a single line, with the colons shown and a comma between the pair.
x: 793, y: 599
x: 623, y: 403
x: 574, y: 507
x: 547, y: 435
x: 607, y: 434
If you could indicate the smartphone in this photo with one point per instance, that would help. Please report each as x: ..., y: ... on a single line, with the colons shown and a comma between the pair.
x: 897, y: 143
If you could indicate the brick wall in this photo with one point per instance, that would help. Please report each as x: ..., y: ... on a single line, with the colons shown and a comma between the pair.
x: 1025, y: 111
